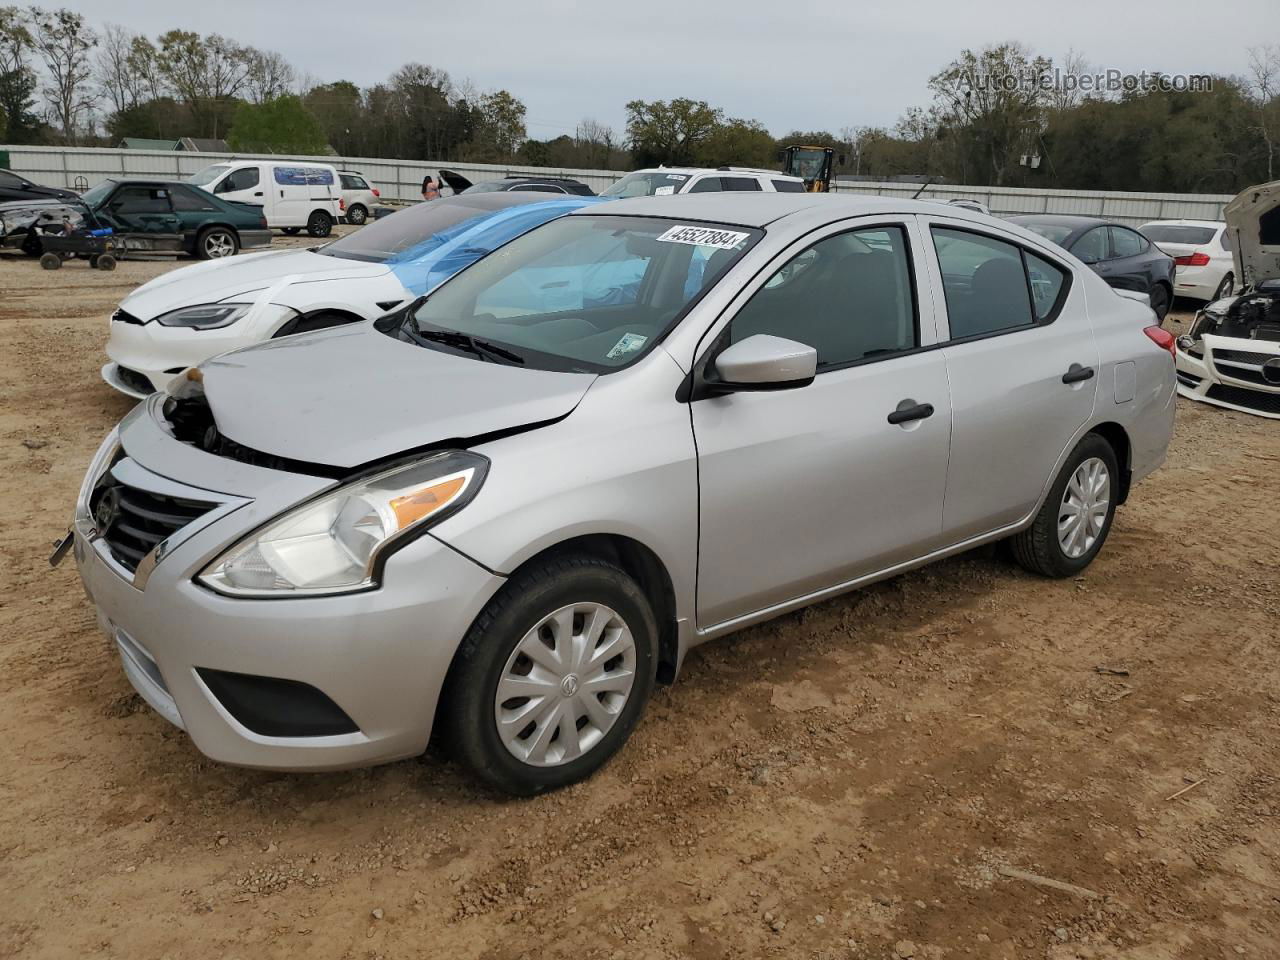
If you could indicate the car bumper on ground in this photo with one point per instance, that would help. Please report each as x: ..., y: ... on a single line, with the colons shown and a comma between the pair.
x: 250, y: 239
x: 1230, y: 373
x: 308, y: 683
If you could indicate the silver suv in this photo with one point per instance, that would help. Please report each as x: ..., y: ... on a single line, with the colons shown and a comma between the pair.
x: 507, y: 509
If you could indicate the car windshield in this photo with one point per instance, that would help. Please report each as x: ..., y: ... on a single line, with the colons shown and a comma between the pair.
x: 647, y: 184
x: 1053, y: 232
x: 1177, y: 233
x: 208, y: 174
x: 586, y: 293
x: 807, y: 163
x: 407, y: 233
x: 96, y: 194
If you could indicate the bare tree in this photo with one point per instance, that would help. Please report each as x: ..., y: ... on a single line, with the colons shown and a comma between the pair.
x: 206, y: 72
x: 1067, y: 93
x: 64, y: 43
x: 1264, y: 91
x: 270, y: 76
x: 597, y: 140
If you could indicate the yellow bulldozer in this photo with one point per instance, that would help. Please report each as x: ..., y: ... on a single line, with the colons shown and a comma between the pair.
x: 811, y: 163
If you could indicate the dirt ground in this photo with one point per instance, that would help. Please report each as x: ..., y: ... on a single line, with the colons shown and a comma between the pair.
x: 963, y: 761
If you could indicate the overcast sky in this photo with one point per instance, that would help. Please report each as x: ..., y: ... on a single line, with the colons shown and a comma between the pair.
x: 791, y: 65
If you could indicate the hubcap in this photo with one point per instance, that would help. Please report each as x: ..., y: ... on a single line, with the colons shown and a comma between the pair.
x: 565, y: 684
x: 1084, y: 508
x: 218, y: 245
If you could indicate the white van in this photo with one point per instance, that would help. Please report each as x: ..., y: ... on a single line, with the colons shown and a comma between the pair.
x: 294, y: 194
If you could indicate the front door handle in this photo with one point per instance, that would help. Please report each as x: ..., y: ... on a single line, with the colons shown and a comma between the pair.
x: 909, y: 410
x: 258, y: 194
x: 1077, y: 374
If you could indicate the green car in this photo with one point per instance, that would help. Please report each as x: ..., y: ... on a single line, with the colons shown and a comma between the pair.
x: 189, y: 219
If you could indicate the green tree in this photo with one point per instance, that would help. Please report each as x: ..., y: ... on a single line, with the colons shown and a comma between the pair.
x: 740, y: 142
x: 669, y: 131
x: 17, y: 79
x: 340, y: 108
x: 204, y: 72
x: 282, y: 125
x: 64, y: 42
x: 498, y: 128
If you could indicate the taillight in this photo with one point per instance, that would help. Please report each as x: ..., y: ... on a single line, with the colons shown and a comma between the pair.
x: 374, y: 191
x: 1197, y: 259
x: 1161, y: 337
x: 262, y: 222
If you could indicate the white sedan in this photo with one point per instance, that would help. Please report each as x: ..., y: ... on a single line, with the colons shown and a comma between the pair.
x: 1201, y: 251
x: 183, y: 318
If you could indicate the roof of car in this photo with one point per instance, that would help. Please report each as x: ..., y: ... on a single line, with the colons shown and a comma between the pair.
x: 761, y: 209
x: 740, y: 171
x: 499, y: 200
x: 1215, y: 224
x: 1074, y: 221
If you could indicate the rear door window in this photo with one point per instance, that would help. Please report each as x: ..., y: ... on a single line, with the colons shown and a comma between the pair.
x: 984, y: 282
x: 1126, y: 243
x: 744, y: 184
x: 186, y: 200
x: 788, y: 186
x: 707, y: 185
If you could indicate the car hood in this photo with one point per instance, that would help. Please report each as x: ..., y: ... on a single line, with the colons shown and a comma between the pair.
x: 1253, y: 222
x: 352, y: 395
x: 216, y: 280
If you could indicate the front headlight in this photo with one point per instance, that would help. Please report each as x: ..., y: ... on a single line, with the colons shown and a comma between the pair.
x: 206, y: 316
x: 334, y: 543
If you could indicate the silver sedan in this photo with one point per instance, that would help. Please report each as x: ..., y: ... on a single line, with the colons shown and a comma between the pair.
x: 506, y: 510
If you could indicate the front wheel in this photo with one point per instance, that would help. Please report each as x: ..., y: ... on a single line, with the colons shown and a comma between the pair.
x: 552, y: 677
x: 291, y: 231
x: 1076, y: 517
x: 1225, y: 287
x: 50, y: 261
x: 319, y: 224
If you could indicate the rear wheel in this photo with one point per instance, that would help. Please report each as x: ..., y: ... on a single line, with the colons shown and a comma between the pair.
x: 319, y: 224
x: 106, y: 262
x: 1160, y: 300
x: 357, y: 214
x: 552, y: 677
x: 1076, y: 517
x: 1225, y: 287
x: 216, y: 243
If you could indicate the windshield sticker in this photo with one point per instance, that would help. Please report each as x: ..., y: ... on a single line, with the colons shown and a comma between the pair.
x: 630, y: 343
x: 663, y: 191
x: 704, y: 237
x: 676, y: 176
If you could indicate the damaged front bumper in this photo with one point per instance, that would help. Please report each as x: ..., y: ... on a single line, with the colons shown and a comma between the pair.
x: 1231, y: 372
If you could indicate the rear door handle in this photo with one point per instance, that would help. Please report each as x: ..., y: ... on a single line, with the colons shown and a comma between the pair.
x: 909, y: 410
x: 1076, y: 374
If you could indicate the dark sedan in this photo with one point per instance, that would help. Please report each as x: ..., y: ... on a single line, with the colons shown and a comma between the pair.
x: 1120, y: 255
x: 536, y: 184
x: 14, y: 186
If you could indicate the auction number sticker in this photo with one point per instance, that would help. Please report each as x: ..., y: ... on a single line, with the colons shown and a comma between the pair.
x: 704, y: 237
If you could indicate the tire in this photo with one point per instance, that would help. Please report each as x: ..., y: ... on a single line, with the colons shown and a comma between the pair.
x: 357, y: 214
x: 292, y: 231
x: 1225, y: 287
x: 519, y: 616
x: 319, y: 224
x: 1160, y: 301
x: 50, y: 261
x: 1040, y: 548
x: 93, y: 261
x: 214, y: 243
x: 106, y: 262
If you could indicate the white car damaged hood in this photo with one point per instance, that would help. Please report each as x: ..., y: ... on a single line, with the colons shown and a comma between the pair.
x: 1253, y: 221
x: 216, y: 281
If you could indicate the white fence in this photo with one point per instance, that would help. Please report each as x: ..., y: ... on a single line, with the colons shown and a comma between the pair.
x: 396, y: 179
x: 402, y: 180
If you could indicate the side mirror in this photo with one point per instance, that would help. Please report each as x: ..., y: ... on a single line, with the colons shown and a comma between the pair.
x: 764, y: 362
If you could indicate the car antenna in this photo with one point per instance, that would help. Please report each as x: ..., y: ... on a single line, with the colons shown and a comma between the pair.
x: 928, y: 182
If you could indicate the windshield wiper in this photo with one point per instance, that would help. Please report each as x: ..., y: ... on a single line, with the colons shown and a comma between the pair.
x: 462, y: 341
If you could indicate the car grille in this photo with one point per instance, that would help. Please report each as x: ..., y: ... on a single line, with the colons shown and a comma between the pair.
x: 124, y: 316
x: 1243, y: 356
x: 1251, y: 399
x: 135, y: 380
x: 131, y: 521
x: 1228, y: 372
